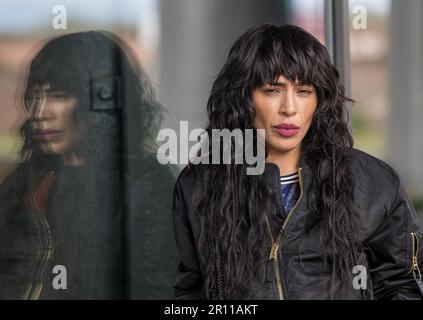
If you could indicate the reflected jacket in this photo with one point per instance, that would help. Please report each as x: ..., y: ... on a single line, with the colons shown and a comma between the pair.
x: 79, y: 227
x: 389, y: 230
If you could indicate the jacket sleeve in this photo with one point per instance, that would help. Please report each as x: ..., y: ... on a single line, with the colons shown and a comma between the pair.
x: 188, y: 283
x: 396, y: 251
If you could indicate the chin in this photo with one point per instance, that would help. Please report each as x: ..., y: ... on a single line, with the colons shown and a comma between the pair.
x: 284, y: 147
x: 52, y: 150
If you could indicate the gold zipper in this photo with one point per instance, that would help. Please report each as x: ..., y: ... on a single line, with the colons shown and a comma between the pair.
x: 32, y: 293
x: 275, y: 244
x: 414, y: 258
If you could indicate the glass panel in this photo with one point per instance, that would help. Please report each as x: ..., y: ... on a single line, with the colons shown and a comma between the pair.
x: 85, y: 205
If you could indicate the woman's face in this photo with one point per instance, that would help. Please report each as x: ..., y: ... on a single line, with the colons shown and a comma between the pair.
x: 52, y: 121
x: 285, y: 111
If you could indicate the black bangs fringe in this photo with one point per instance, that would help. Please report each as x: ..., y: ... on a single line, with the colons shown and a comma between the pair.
x: 59, y: 69
x: 66, y: 63
x: 285, y: 55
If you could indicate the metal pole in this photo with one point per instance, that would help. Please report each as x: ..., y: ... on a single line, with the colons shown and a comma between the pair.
x: 338, y: 40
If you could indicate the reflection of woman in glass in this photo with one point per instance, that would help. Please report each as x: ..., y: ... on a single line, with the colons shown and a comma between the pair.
x: 324, y: 220
x: 85, y: 194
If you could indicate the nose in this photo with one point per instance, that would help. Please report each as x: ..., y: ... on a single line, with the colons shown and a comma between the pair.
x: 288, y: 105
x: 41, y: 110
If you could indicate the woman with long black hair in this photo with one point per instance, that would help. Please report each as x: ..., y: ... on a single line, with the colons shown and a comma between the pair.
x: 81, y: 216
x: 324, y: 220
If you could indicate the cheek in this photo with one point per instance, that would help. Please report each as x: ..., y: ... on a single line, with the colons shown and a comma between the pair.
x: 259, y: 120
x: 68, y: 114
x: 65, y: 115
x: 309, y: 118
x: 308, y: 112
x: 263, y: 113
x: 66, y: 119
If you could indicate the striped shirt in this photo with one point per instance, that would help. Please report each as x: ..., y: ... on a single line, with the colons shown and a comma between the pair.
x: 290, y: 191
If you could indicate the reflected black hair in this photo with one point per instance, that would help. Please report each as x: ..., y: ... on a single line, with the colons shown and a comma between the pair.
x: 86, y: 205
x: 70, y: 63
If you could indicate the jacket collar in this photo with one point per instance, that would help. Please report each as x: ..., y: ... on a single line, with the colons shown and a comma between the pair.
x: 271, y: 174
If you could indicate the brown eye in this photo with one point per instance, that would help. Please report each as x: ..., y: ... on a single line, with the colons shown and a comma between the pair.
x: 272, y: 91
x: 58, y: 95
x: 33, y: 100
x: 35, y: 96
x: 304, y: 92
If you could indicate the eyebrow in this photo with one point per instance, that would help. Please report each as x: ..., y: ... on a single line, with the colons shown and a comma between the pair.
x: 284, y: 84
x: 48, y: 90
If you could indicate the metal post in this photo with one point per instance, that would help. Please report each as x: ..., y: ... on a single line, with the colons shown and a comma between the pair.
x: 337, y: 38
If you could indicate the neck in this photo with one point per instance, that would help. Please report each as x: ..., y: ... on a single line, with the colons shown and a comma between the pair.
x: 287, y: 161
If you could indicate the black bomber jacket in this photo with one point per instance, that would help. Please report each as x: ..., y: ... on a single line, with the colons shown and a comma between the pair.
x: 390, y: 231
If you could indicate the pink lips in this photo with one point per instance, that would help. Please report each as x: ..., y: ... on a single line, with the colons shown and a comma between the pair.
x: 45, y: 135
x: 287, y: 130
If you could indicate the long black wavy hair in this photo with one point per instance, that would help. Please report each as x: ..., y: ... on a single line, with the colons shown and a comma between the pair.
x: 71, y: 63
x: 86, y: 220
x: 233, y: 241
